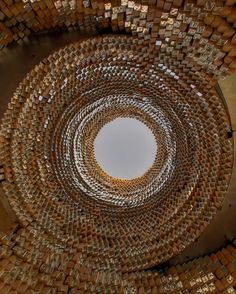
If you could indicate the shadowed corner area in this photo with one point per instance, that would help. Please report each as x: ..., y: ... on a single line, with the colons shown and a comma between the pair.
x: 7, y: 216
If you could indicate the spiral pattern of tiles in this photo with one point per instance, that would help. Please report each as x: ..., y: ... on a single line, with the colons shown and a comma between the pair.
x: 54, y: 183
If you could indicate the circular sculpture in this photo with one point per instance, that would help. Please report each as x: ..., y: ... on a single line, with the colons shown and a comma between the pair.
x: 54, y: 183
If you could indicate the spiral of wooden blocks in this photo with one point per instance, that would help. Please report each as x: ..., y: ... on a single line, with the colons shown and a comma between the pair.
x: 48, y: 138
x: 76, y: 222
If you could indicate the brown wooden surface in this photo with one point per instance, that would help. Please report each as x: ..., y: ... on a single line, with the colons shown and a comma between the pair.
x: 21, y: 59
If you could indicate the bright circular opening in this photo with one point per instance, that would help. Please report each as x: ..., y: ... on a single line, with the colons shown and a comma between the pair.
x: 125, y: 148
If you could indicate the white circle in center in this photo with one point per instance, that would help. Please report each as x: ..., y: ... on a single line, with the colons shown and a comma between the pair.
x: 125, y: 148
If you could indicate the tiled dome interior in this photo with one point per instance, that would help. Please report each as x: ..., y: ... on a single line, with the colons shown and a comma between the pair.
x: 80, y: 230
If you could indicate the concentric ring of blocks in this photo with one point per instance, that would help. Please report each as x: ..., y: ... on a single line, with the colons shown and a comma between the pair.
x: 201, y: 32
x: 55, y: 185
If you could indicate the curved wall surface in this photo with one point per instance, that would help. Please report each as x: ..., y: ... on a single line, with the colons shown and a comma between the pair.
x: 76, y: 229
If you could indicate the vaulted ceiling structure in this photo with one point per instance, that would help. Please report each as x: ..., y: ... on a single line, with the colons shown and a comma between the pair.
x: 70, y: 226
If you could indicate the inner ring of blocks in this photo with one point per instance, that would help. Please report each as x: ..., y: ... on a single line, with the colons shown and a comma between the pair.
x: 75, y: 150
